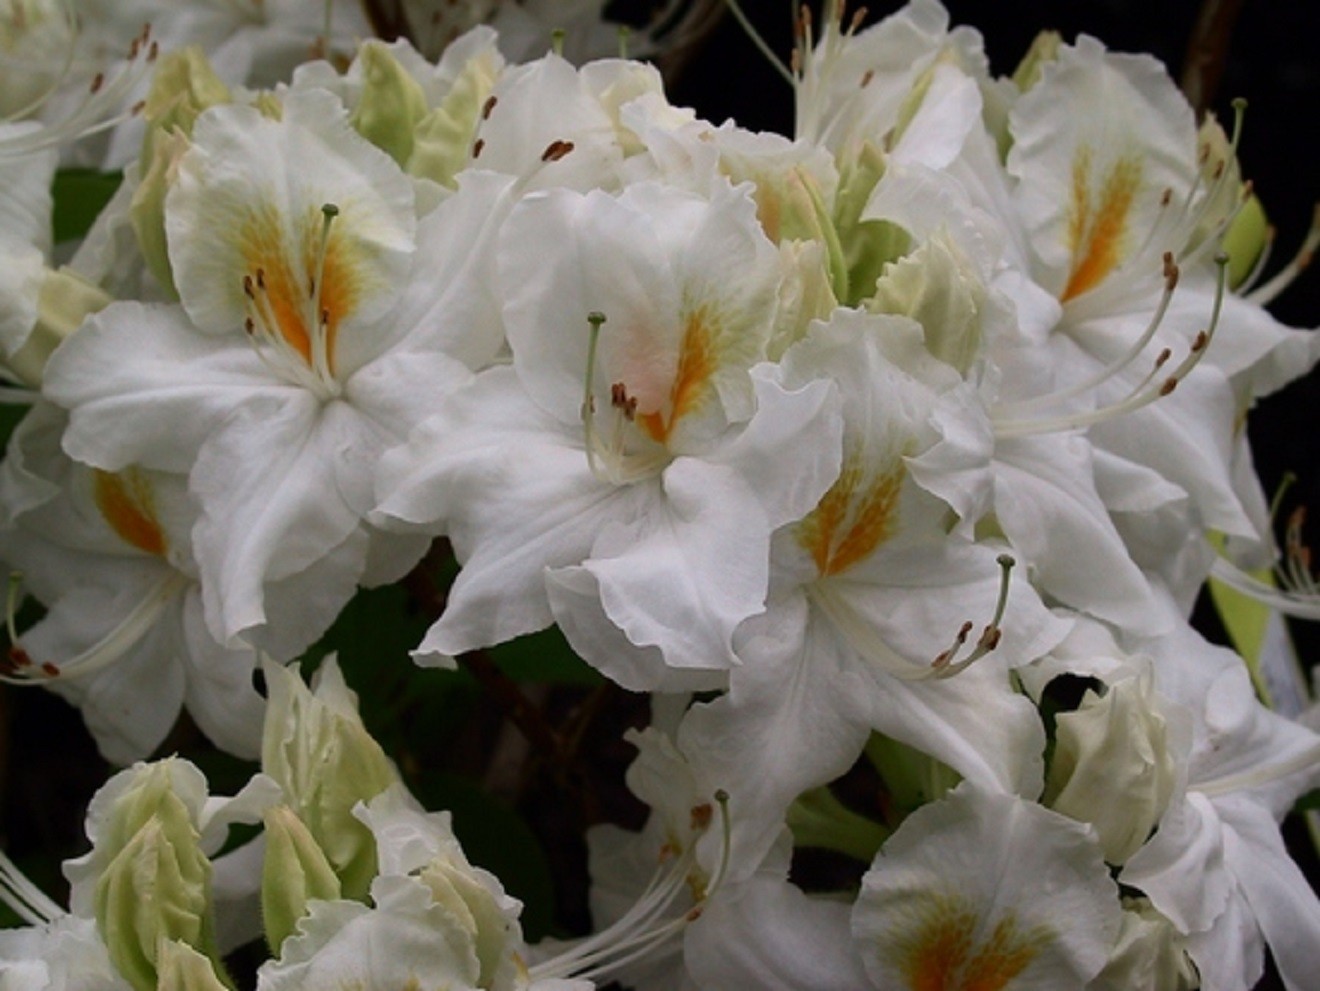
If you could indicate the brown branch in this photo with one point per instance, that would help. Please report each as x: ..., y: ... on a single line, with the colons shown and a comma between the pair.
x: 1207, y: 52
x: 520, y: 710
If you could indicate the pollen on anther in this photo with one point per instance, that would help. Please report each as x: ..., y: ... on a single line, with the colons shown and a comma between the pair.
x: 488, y: 106
x: 97, y: 82
x: 477, y: 147
x: 49, y: 669
x: 701, y: 815
x: 1201, y: 340
x: 19, y: 657
x: 1168, y: 386
x: 556, y: 150
x: 867, y: 76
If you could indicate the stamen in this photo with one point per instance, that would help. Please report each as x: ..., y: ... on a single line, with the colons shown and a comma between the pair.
x: 27, y: 901
x: 944, y: 665
x: 1287, y: 275
x: 320, y: 337
x: 1143, y: 395
x: 557, y: 37
x: 106, y: 651
x: 597, y: 320
x: 735, y: 8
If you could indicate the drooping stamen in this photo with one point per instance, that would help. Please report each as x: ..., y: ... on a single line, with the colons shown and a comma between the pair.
x: 99, y: 111
x: 648, y: 924
x: 1285, y: 277
x: 27, y: 901
x: 22, y: 670
x: 1025, y: 406
x: 1146, y: 391
x: 947, y: 663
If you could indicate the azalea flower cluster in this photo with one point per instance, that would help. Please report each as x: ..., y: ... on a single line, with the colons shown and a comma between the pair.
x: 898, y: 448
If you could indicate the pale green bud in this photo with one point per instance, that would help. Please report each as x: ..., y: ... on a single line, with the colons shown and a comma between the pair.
x: 156, y: 885
x: 391, y: 105
x: 1113, y: 767
x: 146, y: 210
x: 478, y: 910
x: 181, y: 968
x: 442, y: 140
x: 1044, y: 49
x: 868, y: 245
x: 1245, y: 239
x: 64, y: 301
x: 182, y: 87
x: 937, y: 287
x: 315, y: 746
x: 1149, y: 954
x: 294, y: 872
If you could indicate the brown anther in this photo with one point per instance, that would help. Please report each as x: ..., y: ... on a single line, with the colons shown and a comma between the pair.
x: 19, y: 657
x: 667, y: 852
x: 477, y: 145
x: 247, y: 287
x: 795, y: 62
x: 1200, y: 341
x: 858, y: 16
x: 1219, y: 169
x: 261, y: 279
x: 695, y: 914
x: 701, y: 816
x: 963, y: 631
x: 1166, y: 198
x: 990, y: 637
x: 867, y: 76
x: 1168, y: 386
x: 249, y: 325
x: 325, y: 318
x: 1163, y: 357
x: 152, y: 52
x: 806, y: 19
x: 97, y: 82
x: 49, y: 669
x: 1203, y: 154
x: 1171, y: 271
x: 556, y: 150
x: 137, y: 108
x: 1304, y: 260
x: 488, y: 106
x: 134, y: 48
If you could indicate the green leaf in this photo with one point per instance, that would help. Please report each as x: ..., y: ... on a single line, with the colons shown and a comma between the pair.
x: 546, y: 657
x: 80, y: 196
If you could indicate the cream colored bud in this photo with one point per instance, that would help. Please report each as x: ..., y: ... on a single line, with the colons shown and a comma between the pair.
x: 294, y: 872
x: 443, y: 139
x: 315, y: 746
x: 146, y: 210
x: 1113, y: 767
x: 64, y: 301
x: 182, y: 87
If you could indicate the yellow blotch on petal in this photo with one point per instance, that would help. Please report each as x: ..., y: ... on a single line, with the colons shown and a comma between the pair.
x: 127, y: 504
x: 698, y: 359
x: 852, y: 519
x: 944, y: 953
x: 1098, y: 225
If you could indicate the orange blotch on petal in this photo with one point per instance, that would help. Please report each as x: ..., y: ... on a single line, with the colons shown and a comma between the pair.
x: 127, y: 504
x: 852, y: 519
x: 1098, y: 225
x: 697, y: 362
x: 944, y: 954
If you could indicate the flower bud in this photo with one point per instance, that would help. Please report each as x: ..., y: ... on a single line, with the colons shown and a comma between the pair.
x: 1148, y: 954
x: 156, y: 885
x: 182, y: 87
x: 1044, y: 49
x: 936, y: 286
x: 181, y: 968
x: 391, y: 105
x: 64, y: 301
x: 315, y: 746
x: 294, y: 872
x: 442, y: 140
x: 1112, y: 765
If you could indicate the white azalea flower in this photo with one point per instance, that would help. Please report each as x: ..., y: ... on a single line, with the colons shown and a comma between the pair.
x: 123, y: 637
x: 985, y: 889
x: 637, y: 516
x: 307, y: 342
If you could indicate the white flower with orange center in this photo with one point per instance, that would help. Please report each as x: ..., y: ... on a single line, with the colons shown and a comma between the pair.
x: 306, y: 343
x: 881, y: 619
x: 624, y: 474
x: 123, y: 637
x: 986, y: 892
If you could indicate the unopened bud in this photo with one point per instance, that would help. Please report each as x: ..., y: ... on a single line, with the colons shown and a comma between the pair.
x: 392, y: 102
x: 294, y: 872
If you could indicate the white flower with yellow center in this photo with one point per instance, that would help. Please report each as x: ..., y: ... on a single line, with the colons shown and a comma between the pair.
x: 305, y: 344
